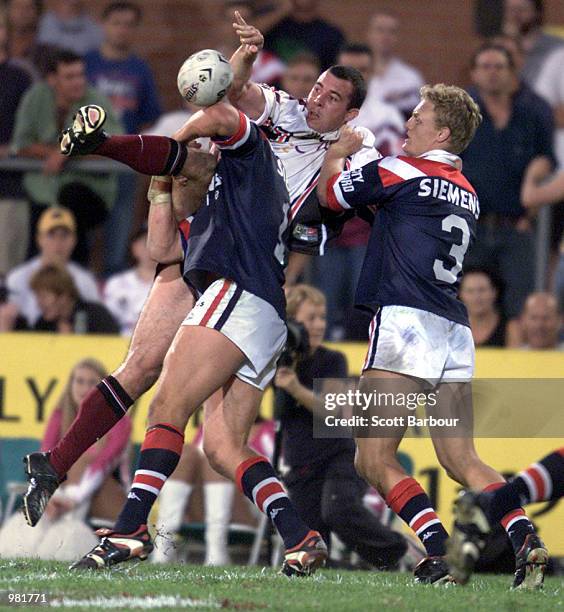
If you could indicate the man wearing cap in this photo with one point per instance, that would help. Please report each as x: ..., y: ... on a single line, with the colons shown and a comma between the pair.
x: 56, y: 239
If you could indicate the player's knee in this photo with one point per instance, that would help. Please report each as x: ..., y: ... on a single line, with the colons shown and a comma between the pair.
x: 215, y: 453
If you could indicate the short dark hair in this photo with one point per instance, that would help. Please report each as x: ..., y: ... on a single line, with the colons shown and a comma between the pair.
x: 358, y: 48
x: 492, y: 46
x: 54, y: 279
x: 61, y: 56
x: 353, y: 76
x: 118, y: 7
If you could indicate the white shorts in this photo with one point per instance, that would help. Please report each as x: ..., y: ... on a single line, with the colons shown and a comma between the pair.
x: 420, y: 344
x: 251, y: 323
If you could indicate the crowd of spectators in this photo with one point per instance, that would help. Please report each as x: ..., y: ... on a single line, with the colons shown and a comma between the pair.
x: 57, y: 57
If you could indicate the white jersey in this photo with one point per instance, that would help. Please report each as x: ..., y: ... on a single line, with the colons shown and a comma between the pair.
x: 300, y: 148
x: 302, y: 151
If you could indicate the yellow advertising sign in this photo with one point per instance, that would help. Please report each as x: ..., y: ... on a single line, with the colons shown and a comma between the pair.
x: 34, y: 369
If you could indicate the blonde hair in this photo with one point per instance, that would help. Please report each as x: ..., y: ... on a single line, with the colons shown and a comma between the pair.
x: 66, y: 403
x: 299, y: 294
x: 456, y: 110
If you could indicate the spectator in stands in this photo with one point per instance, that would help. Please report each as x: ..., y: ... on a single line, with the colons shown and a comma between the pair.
x: 56, y: 239
x: 300, y: 75
x: 23, y: 47
x: 381, y: 118
x: 268, y: 67
x: 480, y: 292
x: 125, y: 293
x: 62, y: 309
x: 515, y: 132
x: 541, y: 322
x: 301, y: 28
x: 123, y: 77
x: 322, y: 481
x: 68, y: 26
x: 127, y: 80
x: 393, y: 81
x: 13, y: 208
x: 536, y: 192
x: 94, y: 486
x: 550, y: 85
x: 524, y: 19
x: 219, y: 497
x: 46, y: 108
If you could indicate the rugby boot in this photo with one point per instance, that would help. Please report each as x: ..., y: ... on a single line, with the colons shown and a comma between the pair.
x: 115, y: 548
x: 86, y: 133
x: 432, y: 570
x: 43, y: 482
x: 469, y: 534
x: 305, y: 558
x: 530, y: 564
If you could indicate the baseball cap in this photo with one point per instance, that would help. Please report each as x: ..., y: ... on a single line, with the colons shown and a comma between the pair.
x: 56, y: 216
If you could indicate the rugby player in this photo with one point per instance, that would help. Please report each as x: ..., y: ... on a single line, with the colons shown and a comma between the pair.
x: 300, y: 132
x: 475, y: 513
x: 301, y: 151
x: 420, y: 336
x: 233, y: 258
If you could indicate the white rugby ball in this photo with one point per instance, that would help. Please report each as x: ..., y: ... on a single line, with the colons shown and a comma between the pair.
x: 205, y: 77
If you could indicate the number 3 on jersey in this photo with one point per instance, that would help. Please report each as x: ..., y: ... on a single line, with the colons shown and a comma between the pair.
x: 457, y: 251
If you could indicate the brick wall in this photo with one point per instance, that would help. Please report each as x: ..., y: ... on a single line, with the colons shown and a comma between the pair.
x: 437, y: 35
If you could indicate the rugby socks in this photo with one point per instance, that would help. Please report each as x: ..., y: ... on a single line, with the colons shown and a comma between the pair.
x: 542, y: 481
x: 410, y: 502
x: 257, y: 479
x: 99, y: 411
x: 159, y: 457
x: 156, y: 155
x: 514, y: 520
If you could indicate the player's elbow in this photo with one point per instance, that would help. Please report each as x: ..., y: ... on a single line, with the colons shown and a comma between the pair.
x: 224, y: 119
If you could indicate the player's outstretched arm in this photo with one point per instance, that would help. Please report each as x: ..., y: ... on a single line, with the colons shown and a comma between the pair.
x: 349, y: 142
x: 163, y: 239
x: 535, y: 191
x: 221, y: 119
x: 244, y: 94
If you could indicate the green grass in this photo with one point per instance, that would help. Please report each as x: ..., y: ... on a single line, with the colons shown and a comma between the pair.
x: 241, y: 588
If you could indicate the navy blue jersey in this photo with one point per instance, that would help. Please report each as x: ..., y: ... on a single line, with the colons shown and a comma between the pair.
x: 425, y: 223
x: 239, y: 231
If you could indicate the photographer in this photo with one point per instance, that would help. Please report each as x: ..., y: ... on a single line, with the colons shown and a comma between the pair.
x: 322, y: 481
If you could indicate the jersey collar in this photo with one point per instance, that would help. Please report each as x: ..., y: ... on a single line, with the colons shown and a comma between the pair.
x: 444, y: 157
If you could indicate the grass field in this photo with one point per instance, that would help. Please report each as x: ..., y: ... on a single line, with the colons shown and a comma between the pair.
x: 149, y: 587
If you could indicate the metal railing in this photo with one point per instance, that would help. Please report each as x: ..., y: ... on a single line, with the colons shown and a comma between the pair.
x: 105, y: 166
x: 89, y: 166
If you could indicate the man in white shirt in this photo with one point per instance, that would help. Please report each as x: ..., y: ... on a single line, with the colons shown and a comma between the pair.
x: 393, y: 81
x: 56, y: 239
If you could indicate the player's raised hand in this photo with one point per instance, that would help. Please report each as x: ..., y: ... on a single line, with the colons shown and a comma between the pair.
x: 250, y: 37
x: 350, y: 141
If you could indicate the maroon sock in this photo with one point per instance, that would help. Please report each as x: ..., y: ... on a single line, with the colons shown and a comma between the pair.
x: 99, y: 411
x: 147, y: 154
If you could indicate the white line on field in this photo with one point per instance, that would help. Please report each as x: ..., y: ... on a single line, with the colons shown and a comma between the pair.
x: 161, y: 601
